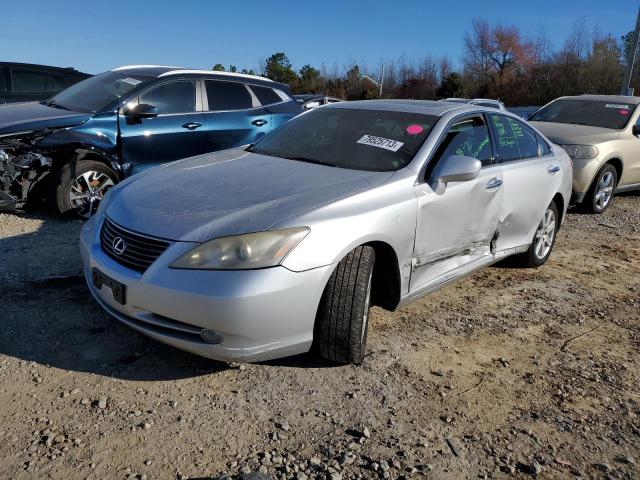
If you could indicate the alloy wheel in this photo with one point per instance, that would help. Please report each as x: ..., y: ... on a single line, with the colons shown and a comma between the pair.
x: 545, y: 234
x: 604, y: 191
x: 87, y: 190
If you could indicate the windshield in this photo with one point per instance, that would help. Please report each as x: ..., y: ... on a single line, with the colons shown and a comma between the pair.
x: 373, y: 140
x: 614, y: 115
x: 95, y: 93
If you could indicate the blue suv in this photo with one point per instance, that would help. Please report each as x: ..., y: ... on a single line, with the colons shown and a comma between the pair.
x: 72, y: 148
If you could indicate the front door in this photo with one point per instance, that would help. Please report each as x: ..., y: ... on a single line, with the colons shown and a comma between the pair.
x: 177, y: 132
x: 455, y: 227
x: 233, y: 115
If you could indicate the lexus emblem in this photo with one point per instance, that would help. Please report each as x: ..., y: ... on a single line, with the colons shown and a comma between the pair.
x: 119, y: 246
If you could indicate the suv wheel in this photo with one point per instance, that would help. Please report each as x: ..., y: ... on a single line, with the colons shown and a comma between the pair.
x: 543, y: 240
x: 81, y: 185
x: 600, y: 194
x: 343, y: 315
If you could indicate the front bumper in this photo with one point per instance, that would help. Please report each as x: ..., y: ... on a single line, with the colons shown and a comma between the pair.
x: 261, y: 314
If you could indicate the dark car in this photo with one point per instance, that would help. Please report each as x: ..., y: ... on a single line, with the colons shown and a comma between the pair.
x: 25, y: 82
x: 73, y: 148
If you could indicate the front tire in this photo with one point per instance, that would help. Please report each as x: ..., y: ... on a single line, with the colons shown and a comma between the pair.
x: 342, y: 320
x: 81, y: 185
x: 600, y: 194
x: 543, y: 240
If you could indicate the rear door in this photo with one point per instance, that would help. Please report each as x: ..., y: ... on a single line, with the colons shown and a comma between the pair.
x: 455, y: 227
x: 531, y: 176
x: 233, y: 115
x: 177, y: 132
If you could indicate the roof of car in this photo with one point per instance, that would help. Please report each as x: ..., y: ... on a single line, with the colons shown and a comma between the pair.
x: 604, y: 98
x: 36, y: 65
x: 166, y: 70
x: 428, y: 107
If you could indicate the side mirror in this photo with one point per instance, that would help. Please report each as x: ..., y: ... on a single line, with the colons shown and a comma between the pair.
x: 143, y: 110
x: 456, y: 168
x: 636, y: 130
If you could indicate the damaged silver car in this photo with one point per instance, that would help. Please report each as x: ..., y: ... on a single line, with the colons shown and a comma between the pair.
x: 257, y: 253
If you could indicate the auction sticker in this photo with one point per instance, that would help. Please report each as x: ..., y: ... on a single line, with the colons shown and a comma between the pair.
x: 131, y: 81
x: 616, y: 105
x: 381, y: 142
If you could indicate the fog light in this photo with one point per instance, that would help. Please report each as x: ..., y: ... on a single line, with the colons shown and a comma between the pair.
x: 210, y: 336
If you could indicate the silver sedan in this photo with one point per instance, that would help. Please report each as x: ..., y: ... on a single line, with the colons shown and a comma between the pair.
x: 262, y: 252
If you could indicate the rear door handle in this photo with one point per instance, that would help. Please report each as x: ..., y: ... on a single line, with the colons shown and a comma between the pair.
x: 553, y: 169
x: 494, y: 183
x: 260, y: 122
x: 191, y: 125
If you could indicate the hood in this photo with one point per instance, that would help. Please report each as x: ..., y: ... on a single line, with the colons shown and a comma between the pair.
x: 570, y: 134
x: 229, y: 193
x: 22, y: 117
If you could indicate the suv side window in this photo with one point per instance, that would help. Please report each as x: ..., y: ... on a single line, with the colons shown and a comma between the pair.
x: 28, y: 81
x: 515, y: 141
x: 174, y: 97
x: 468, y: 137
x: 266, y: 95
x: 223, y: 95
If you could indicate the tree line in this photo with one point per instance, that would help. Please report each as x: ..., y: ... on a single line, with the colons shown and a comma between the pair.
x: 498, y: 62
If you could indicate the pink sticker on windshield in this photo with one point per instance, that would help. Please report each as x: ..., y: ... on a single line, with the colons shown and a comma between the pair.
x: 414, y: 129
x: 623, y: 112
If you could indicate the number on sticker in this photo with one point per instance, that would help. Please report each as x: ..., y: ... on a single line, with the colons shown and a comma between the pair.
x: 381, y: 142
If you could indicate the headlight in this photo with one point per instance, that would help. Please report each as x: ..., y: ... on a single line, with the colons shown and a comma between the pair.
x: 242, y: 252
x: 581, y: 152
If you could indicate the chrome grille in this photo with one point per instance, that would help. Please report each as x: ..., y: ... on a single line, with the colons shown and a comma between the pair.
x: 139, y: 251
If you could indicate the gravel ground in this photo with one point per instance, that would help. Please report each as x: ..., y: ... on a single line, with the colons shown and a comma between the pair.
x: 507, y: 374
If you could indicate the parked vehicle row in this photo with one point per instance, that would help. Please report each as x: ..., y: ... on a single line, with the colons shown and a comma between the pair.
x: 75, y: 146
x: 281, y: 226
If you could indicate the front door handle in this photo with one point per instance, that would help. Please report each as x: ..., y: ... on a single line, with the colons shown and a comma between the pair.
x: 494, y: 183
x: 191, y: 125
x: 553, y: 169
x: 260, y: 122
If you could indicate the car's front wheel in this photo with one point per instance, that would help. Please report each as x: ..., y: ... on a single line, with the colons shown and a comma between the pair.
x: 342, y: 320
x: 81, y: 185
x: 543, y: 240
x: 600, y: 194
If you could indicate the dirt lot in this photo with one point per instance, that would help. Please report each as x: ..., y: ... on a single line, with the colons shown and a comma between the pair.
x: 507, y: 374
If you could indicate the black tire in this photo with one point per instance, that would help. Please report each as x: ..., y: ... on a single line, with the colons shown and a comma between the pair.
x: 65, y: 179
x: 590, y: 204
x: 531, y: 258
x: 342, y: 320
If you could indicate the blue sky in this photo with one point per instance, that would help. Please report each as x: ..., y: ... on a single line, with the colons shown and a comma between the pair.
x: 96, y: 36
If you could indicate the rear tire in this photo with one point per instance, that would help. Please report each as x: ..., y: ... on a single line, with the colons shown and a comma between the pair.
x: 600, y: 194
x: 87, y: 178
x: 543, y: 240
x: 342, y: 320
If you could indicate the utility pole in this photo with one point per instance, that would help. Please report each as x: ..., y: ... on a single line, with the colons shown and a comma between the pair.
x: 633, y: 48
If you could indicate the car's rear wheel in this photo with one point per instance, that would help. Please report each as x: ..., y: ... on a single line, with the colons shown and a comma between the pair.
x: 543, y: 240
x: 81, y: 185
x: 342, y: 320
x: 600, y: 194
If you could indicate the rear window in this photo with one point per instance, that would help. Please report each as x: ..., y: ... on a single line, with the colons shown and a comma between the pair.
x: 595, y: 113
x: 372, y: 140
x: 227, y: 95
x: 29, y: 81
x: 267, y: 96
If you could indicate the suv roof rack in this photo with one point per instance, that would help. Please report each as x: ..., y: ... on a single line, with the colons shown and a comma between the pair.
x: 212, y: 72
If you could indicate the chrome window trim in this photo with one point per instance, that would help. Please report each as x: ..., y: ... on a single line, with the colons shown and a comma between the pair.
x: 280, y: 93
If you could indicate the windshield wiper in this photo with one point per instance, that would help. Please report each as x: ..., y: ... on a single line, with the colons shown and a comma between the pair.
x: 56, y: 105
x: 310, y: 160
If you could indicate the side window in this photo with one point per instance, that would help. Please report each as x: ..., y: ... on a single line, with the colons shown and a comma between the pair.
x: 266, y: 95
x: 29, y: 81
x: 543, y: 147
x: 468, y: 137
x: 227, y: 95
x: 514, y: 139
x: 174, y: 97
x: 58, y: 82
